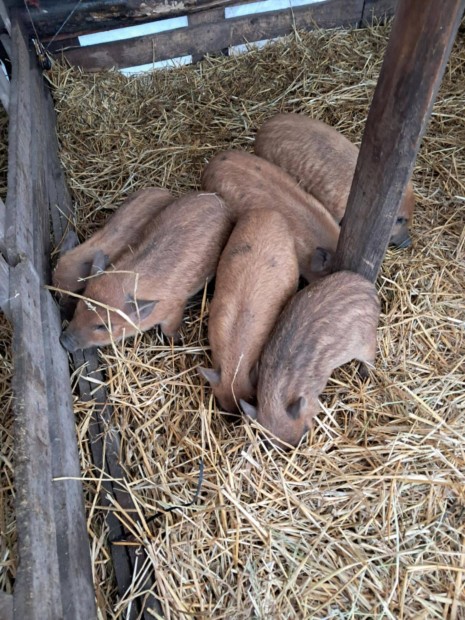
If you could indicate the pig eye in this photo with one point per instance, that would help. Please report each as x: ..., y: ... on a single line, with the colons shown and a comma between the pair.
x: 100, y: 327
x: 401, y: 220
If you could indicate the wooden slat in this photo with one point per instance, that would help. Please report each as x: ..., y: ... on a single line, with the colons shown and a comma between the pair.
x: 37, y: 592
x: 4, y: 90
x: 6, y: 606
x: 107, y: 15
x: 54, y: 577
x: 378, y: 9
x: 422, y: 35
x: 19, y: 226
x: 76, y: 580
x: 207, y: 38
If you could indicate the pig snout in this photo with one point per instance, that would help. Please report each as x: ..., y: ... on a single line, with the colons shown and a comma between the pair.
x: 400, y: 236
x: 69, y: 341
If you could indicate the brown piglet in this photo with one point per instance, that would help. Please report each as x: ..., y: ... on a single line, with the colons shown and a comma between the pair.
x: 325, y: 325
x: 121, y: 231
x: 323, y: 161
x: 150, y: 284
x: 257, y: 273
x: 246, y: 182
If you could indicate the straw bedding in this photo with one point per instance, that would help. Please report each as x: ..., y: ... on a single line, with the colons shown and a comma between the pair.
x: 366, y: 518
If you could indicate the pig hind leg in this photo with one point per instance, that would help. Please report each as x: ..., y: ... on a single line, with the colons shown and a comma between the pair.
x: 170, y: 325
x: 366, y: 356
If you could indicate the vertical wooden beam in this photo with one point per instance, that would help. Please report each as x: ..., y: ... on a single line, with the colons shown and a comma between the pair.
x: 54, y: 577
x: 422, y: 35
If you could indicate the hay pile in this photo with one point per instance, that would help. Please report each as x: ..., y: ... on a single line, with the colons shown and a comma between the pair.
x: 366, y: 519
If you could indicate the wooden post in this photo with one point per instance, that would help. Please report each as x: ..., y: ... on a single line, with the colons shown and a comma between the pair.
x: 54, y: 575
x: 422, y: 35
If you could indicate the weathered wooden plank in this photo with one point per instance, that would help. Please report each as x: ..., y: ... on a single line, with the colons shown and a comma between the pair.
x: 6, y: 606
x: 4, y: 90
x: 422, y: 35
x: 19, y: 225
x: 77, y: 592
x: 378, y: 9
x: 37, y: 591
x: 61, y: 585
x: 109, y: 14
x: 207, y: 38
x: 38, y: 172
x: 61, y: 208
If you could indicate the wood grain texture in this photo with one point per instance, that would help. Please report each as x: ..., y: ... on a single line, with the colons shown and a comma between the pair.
x: 422, y: 35
x: 37, y: 593
x: 206, y: 37
x: 19, y: 225
x: 6, y: 606
x: 54, y: 578
x: 76, y: 581
x: 378, y: 9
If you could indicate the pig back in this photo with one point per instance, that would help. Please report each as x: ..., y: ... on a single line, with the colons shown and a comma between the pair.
x: 320, y: 158
x: 247, y: 182
x: 257, y: 273
x: 180, y: 249
x: 325, y: 325
x: 123, y: 229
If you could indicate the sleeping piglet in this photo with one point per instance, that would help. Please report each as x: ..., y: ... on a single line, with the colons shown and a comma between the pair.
x: 325, y: 325
x: 122, y: 230
x: 246, y: 182
x: 256, y: 275
x: 323, y: 161
x: 150, y: 284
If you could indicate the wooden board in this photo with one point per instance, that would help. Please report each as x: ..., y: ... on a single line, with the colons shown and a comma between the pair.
x: 205, y: 37
x: 106, y: 15
x: 422, y: 35
x: 54, y: 577
x: 37, y: 593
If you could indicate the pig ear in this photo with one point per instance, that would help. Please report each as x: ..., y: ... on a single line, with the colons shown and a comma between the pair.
x: 248, y: 409
x: 211, y: 375
x: 321, y: 260
x: 99, y: 264
x: 295, y: 409
x: 139, y: 308
x: 70, y: 241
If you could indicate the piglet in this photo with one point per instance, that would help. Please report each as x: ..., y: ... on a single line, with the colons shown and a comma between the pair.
x: 246, y: 182
x: 323, y: 162
x: 257, y: 273
x: 121, y: 231
x: 325, y: 325
x: 151, y: 283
